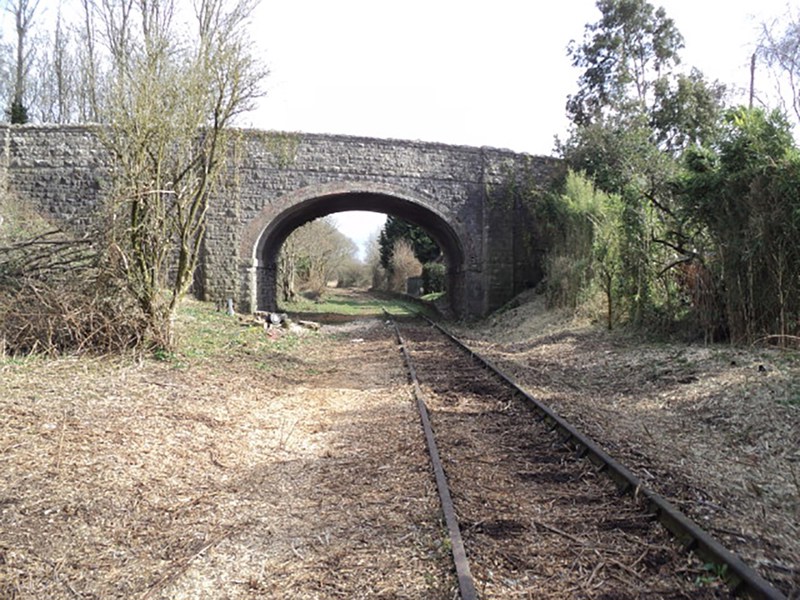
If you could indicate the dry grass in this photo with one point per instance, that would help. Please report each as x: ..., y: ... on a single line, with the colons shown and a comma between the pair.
x: 283, y: 465
x: 254, y: 465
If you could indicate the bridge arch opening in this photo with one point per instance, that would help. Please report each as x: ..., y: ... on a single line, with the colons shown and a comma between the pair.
x: 270, y: 230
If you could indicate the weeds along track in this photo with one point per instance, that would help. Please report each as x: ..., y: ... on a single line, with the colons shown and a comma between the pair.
x: 538, y: 514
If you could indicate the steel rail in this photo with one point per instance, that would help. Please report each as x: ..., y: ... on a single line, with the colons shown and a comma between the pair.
x: 741, y: 578
x: 466, y: 584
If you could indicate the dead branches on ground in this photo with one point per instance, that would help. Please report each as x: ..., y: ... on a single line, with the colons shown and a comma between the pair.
x: 57, y: 295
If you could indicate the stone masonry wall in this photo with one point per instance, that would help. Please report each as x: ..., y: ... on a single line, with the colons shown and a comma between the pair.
x: 441, y: 178
x: 62, y: 171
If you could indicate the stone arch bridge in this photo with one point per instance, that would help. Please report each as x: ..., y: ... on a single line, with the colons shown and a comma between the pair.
x: 463, y: 196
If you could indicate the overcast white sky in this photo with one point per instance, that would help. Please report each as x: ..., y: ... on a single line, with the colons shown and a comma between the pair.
x: 459, y: 71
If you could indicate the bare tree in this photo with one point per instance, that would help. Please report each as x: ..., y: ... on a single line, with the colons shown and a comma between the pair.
x: 52, y: 83
x: 172, y: 101
x: 24, y: 12
x: 311, y: 256
x: 87, y: 57
x: 63, y: 72
x: 780, y: 48
x: 287, y: 269
x: 377, y: 274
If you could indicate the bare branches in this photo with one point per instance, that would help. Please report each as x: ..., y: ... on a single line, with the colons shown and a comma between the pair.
x: 780, y: 48
x: 77, y: 316
x: 24, y: 12
x: 57, y: 296
x: 312, y: 255
x: 48, y: 253
x: 173, y: 103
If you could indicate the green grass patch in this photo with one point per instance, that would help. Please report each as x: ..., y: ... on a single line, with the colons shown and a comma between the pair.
x: 338, y: 303
x: 433, y: 297
x: 204, y: 333
x: 352, y: 306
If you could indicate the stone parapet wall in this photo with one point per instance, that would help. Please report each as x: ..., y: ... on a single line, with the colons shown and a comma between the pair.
x: 61, y: 170
x: 276, y: 181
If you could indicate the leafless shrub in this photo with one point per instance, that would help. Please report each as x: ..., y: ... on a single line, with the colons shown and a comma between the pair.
x: 59, y: 295
x: 404, y: 265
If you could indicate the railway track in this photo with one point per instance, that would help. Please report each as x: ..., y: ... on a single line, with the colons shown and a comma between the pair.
x: 537, y: 510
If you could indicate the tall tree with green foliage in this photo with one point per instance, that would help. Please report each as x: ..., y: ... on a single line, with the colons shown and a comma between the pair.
x: 623, y: 56
x: 746, y: 193
x: 633, y: 115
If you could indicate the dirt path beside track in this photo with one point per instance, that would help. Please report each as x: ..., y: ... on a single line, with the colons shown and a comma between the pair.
x: 304, y: 479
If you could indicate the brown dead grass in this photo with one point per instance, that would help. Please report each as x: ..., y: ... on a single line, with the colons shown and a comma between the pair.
x: 277, y: 465
x: 714, y: 428
x: 214, y: 478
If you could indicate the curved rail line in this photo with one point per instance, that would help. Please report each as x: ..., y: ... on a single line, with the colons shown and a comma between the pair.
x: 741, y: 579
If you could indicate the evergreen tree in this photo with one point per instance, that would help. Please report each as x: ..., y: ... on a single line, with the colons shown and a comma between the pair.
x: 18, y: 113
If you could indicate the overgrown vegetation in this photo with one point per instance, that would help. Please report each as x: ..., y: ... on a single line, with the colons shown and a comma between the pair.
x: 167, y: 96
x: 315, y: 255
x: 677, y: 210
x: 744, y: 194
x: 582, y: 230
x: 406, y: 250
x: 56, y: 293
x: 403, y: 265
x: 425, y: 249
x: 434, y: 278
